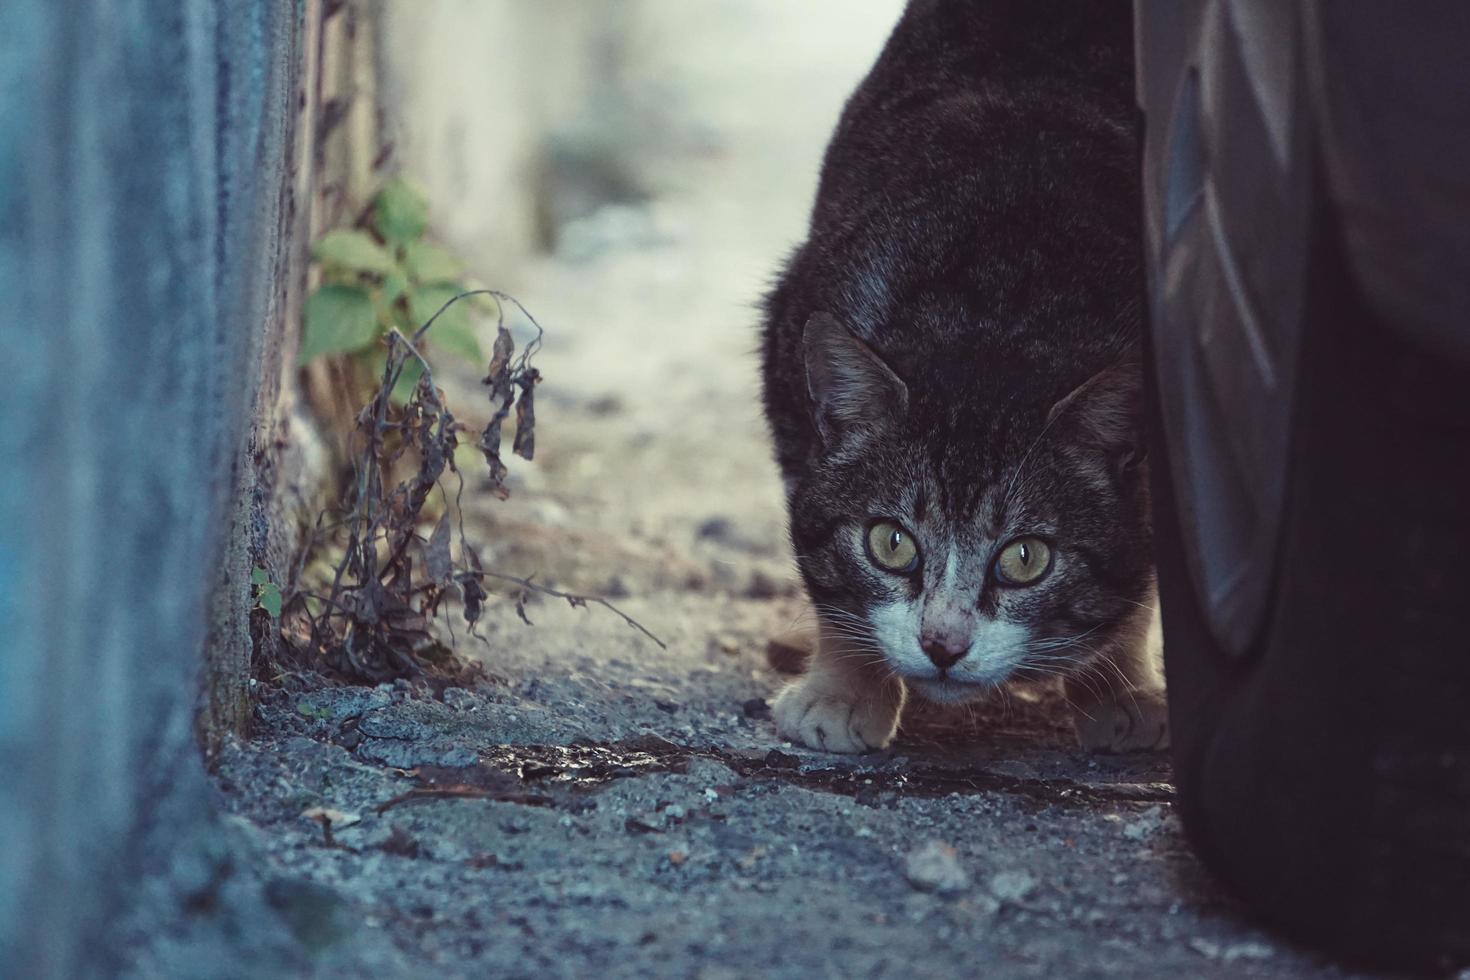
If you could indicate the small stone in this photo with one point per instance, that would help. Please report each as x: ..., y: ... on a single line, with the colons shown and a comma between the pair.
x: 400, y: 842
x: 460, y: 700
x: 1204, y: 947
x: 1012, y: 886
x: 934, y: 866
x: 605, y: 405
x: 756, y: 708
x: 727, y: 644
x: 710, y: 772
x: 1246, y: 951
x: 715, y: 529
x: 675, y: 812
x: 677, y: 858
x: 1147, y: 824
x: 762, y: 586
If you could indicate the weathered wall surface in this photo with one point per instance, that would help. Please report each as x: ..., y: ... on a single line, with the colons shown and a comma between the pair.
x: 475, y: 98
x: 146, y: 164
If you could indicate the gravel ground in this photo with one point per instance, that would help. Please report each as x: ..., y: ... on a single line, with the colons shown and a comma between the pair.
x: 606, y: 807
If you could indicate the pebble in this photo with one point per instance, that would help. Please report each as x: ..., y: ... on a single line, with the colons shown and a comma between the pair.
x: 934, y: 866
x: 1248, y: 950
x: 461, y: 700
x: 1149, y: 822
x: 756, y: 708
x: 762, y: 586
x: 1012, y: 886
x: 716, y: 529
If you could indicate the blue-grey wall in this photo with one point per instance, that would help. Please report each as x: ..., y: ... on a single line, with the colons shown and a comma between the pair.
x: 145, y: 157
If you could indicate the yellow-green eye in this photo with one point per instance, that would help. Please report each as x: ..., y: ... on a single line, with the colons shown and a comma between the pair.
x: 1023, y: 561
x: 892, y: 548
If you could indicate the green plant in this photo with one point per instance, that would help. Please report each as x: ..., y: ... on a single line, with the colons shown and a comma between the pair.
x: 267, y: 594
x: 381, y: 277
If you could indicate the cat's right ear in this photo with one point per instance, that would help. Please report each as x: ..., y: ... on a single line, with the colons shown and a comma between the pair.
x: 851, y: 388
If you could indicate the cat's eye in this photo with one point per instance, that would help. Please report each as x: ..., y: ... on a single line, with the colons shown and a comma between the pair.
x: 892, y: 548
x: 1023, y: 561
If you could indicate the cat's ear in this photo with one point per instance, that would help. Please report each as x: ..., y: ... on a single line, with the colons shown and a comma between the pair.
x: 1104, y: 414
x: 851, y: 388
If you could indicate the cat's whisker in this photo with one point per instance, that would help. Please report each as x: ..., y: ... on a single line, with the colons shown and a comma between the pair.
x: 1127, y: 686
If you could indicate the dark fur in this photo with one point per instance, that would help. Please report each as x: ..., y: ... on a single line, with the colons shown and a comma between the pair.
x: 977, y: 227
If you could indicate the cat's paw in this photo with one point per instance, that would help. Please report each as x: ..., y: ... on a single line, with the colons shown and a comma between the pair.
x: 819, y: 717
x: 1135, y: 721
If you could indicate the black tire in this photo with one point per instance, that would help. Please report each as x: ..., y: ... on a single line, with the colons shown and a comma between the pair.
x: 1325, y: 773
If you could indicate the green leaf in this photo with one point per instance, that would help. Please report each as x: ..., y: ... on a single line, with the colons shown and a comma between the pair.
x: 408, y: 376
x: 395, y: 284
x: 400, y: 213
x: 452, y: 332
x: 259, y: 576
x: 270, y: 600
x: 353, y: 250
x: 339, y: 319
x: 407, y: 379
x: 429, y: 263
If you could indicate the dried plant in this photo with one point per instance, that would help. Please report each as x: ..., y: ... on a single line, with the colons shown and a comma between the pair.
x: 373, y: 623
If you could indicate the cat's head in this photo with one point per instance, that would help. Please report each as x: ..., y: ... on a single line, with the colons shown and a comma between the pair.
x: 972, y: 524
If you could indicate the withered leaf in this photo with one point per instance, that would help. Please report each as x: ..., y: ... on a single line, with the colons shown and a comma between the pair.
x: 498, y: 374
x: 525, y: 441
x: 474, y: 598
x: 437, y: 561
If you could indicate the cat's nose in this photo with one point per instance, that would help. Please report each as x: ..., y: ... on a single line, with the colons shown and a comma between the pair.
x: 943, y: 655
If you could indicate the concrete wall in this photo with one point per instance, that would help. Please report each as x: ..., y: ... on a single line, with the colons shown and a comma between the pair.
x: 475, y: 95
x: 146, y: 165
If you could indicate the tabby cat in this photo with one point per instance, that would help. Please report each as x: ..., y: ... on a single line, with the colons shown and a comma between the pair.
x: 952, y: 379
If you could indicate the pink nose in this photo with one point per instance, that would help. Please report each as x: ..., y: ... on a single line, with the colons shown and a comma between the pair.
x: 943, y: 653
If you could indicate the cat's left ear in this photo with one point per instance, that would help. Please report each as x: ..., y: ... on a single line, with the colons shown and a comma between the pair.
x: 1104, y: 414
x: 851, y: 388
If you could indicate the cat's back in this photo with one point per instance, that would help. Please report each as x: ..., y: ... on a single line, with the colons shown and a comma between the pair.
x: 981, y: 97
x: 977, y: 198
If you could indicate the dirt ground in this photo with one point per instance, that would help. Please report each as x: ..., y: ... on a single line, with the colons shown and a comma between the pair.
x: 604, y: 807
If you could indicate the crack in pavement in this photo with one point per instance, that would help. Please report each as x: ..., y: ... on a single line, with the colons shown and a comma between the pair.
x: 556, y: 775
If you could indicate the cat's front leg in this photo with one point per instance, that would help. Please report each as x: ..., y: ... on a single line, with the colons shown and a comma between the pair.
x: 1121, y: 705
x: 846, y: 702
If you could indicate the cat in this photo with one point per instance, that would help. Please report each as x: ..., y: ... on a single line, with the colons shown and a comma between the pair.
x: 952, y: 379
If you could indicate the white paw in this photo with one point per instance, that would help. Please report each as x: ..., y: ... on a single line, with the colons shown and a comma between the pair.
x: 846, y: 721
x: 1134, y: 721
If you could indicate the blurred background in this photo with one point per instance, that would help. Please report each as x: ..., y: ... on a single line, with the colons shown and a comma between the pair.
x: 633, y: 173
